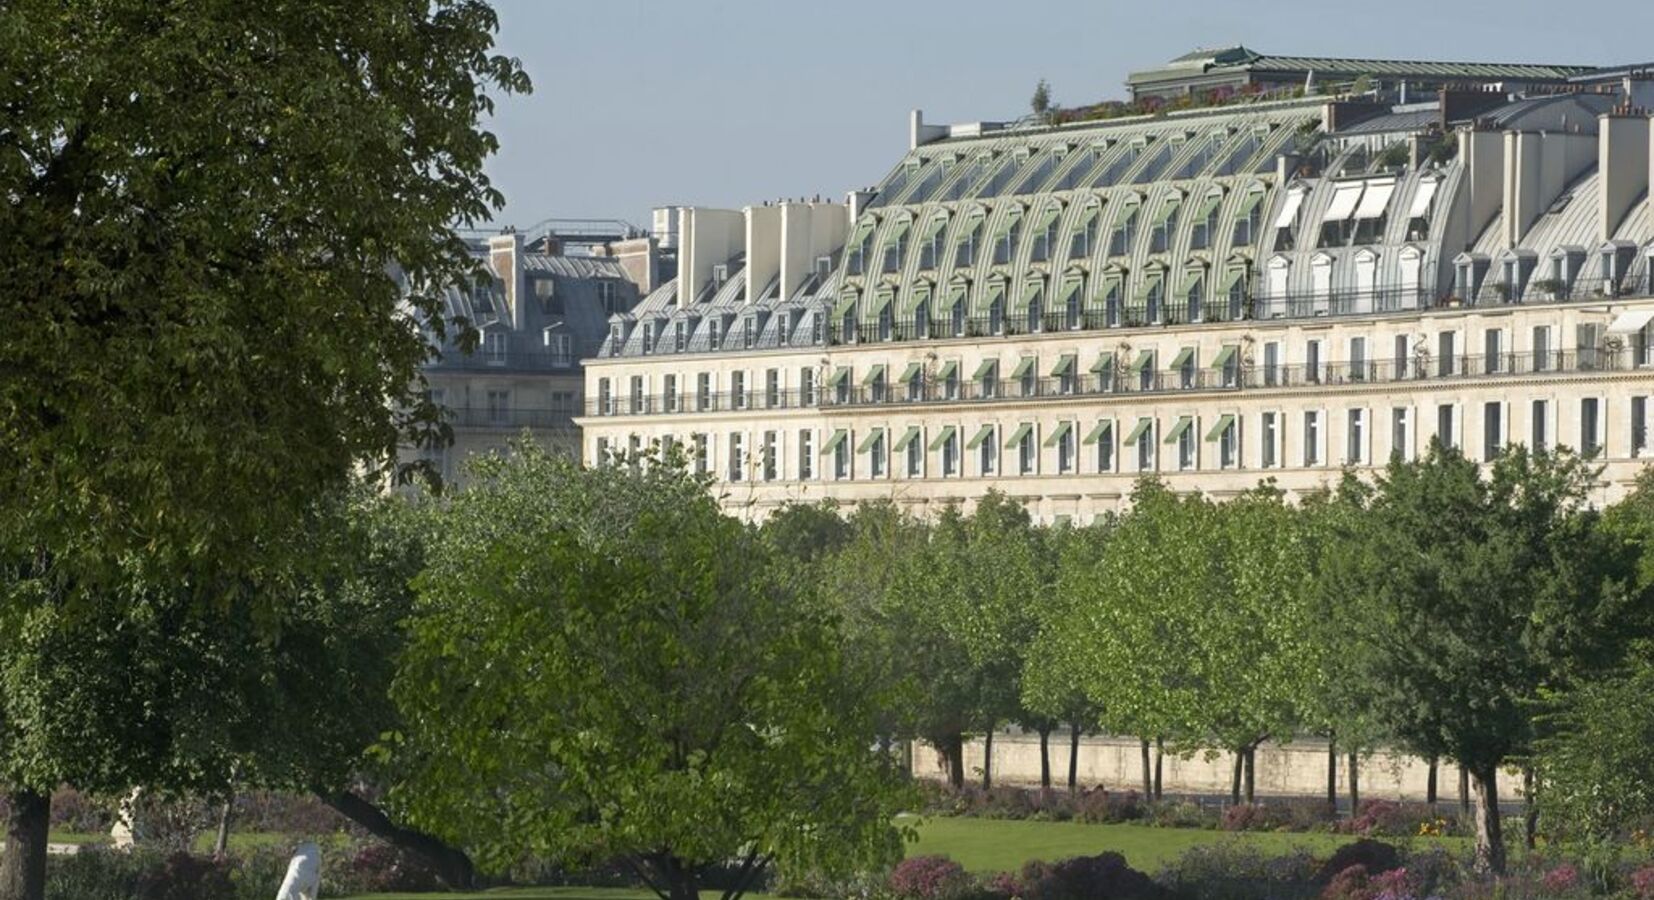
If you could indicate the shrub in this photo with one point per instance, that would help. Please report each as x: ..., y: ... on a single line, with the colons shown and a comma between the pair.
x: 376, y: 867
x: 185, y: 876
x: 1100, y: 806
x: 74, y: 811
x: 929, y: 878
x: 1105, y: 876
x: 285, y: 813
x: 1373, y: 856
x: 1233, y: 871
x: 96, y: 874
x: 1256, y: 817
x: 1642, y: 883
x: 1179, y: 814
x: 1561, y: 879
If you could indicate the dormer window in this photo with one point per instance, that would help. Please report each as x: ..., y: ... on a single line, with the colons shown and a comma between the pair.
x: 648, y: 338
x: 606, y: 296
x: 749, y: 332
x: 615, y: 339
x: 824, y: 267
x: 713, y: 329
x: 680, y: 337
x: 494, y: 343
x: 720, y: 275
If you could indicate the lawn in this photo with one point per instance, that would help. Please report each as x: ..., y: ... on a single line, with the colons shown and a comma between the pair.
x: 991, y: 845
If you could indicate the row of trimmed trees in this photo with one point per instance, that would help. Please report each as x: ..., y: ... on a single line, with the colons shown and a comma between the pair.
x: 1428, y: 609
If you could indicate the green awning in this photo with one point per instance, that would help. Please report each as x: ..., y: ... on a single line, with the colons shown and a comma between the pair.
x: 1058, y: 433
x: 1182, y: 357
x: 986, y: 369
x: 1110, y: 287
x: 1011, y: 218
x: 1065, y: 365
x: 1143, y: 425
x: 1087, y: 215
x: 1230, y: 276
x: 1021, y: 432
x: 911, y: 370
x: 996, y: 290
x: 872, y: 438
x: 1046, y: 218
x: 1223, y: 424
x: 941, y: 439
x: 1207, y: 204
x: 1127, y: 209
x: 1168, y: 208
x: 845, y: 301
x: 936, y: 224
x: 1104, y: 363
x: 1024, y: 366
x: 956, y: 293
x: 973, y: 226
x: 1149, y: 284
x: 839, y: 376
x: 1184, y: 423
x: 986, y: 431
x: 873, y: 374
x: 862, y: 231
x: 881, y: 299
x: 839, y: 437
x: 1249, y: 203
x: 908, y: 437
x: 1070, y: 286
x: 947, y: 370
x: 1098, y: 431
x: 897, y: 232
x: 1223, y: 357
x: 1144, y: 360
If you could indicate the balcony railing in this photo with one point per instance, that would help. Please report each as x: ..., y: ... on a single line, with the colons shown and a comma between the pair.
x: 1123, y: 379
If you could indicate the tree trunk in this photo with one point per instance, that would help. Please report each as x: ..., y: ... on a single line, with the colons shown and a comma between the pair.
x: 1148, y: 771
x: 954, y: 750
x: 1430, y: 784
x: 988, y: 758
x: 23, y: 863
x: 1332, y: 776
x: 221, y: 843
x: 1045, y: 757
x: 1530, y: 811
x: 1490, y: 844
x: 1159, y: 764
x: 676, y: 881
x: 1355, y: 783
x: 1464, y: 792
x: 1074, y: 757
x: 1235, y: 785
x: 450, y: 863
x: 1251, y: 773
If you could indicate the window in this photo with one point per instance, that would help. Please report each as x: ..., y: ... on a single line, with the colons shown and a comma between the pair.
x: 1587, y: 337
x: 841, y: 385
x: 1444, y: 425
x: 1399, y: 363
x: 841, y: 457
x: 772, y: 450
x: 772, y: 388
x: 876, y: 456
x: 1541, y: 348
x: 1540, y: 426
x: 1493, y: 430
x: 987, y: 377
x: 950, y: 382
x: 1005, y: 246
x: 1401, y: 444
x: 807, y: 386
x: 737, y: 456
x: 1027, y: 451
x: 915, y: 450
x: 950, y: 454
x: 494, y: 343
x: 702, y: 453
x: 1028, y: 381
x: 1493, y: 341
x: 1271, y: 364
x: 1186, y: 368
x: 680, y: 337
x: 648, y: 338
x: 987, y: 462
x: 1065, y: 448
x: 1639, y: 425
x: 713, y: 328
x: 1312, y: 438
x: 637, y: 398
x: 878, y: 388
x: 562, y: 401
x: 1043, y: 241
x: 806, y: 455
x: 1186, y: 447
x: 1271, y: 433
x: 499, y: 407
x: 601, y: 455
x: 1144, y: 440
x: 1358, y: 359
x: 1355, y: 440
x: 749, y: 332
x: 1590, y: 427
x: 738, y: 390
x: 605, y: 398
x: 560, y: 349
x: 606, y: 296
x: 1105, y: 446
x: 1445, y: 353
x: 915, y: 383
x: 1312, y: 361
x: 1228, y: 442
x: 703, y: 391
x: 1145, y: 371
x: 965, y: 254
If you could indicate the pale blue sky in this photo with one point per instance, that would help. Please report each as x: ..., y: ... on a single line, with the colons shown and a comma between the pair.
x: 643, y: 103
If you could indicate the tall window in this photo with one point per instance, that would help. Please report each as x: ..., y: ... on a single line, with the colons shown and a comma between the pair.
x: 499, y: 407
x: 987, y: 462
x: 605, y: 398
x: 738, y: 389
x: 1590, y: 427
x: 1271, y: 364
x: 841, y: 459
x: 1312, y: 438
x: 1639, y: 425
x: 807, y: 386
x: 1539, y: 422
x: 637, y: 394
x: 703, y: 391
x: 806, y: 455
x: 1399, y: 362
x: 494, y: 344
x: 1542, y: 347
x: 1271, y: 434
x: 1446, y: 351
x: 1444, y: 425
x: 915, y: 457
x: 1400, y: 439
x: 1358, y: 359
x: 1355, y: 441
x: 1229, y: 444
x: 1105, y: 448
x: 737, y: 456
x: 1186, y: 447
x: 669, y: 392
x: 1027, y: 452
x: 772, y: 453
x: 950, y: 454
x: 1145, y: 445
x: 876, y: 455
x: 1493, y: 430
x: 1065, y: 449
x: 702, y: 452
x: 1493, y: 350
x: 560, y: 347
x: 1312, y: 361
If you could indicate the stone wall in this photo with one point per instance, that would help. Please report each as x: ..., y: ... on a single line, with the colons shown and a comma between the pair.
x: 1292, y: 769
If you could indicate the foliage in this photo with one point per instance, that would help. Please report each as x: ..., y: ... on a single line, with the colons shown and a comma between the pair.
x: 1041, y: 104
x: 602, y: 664
x: 1597, y: 765
x: 929, y: 878
x: 1105, y: 875
x: 1233, y: 871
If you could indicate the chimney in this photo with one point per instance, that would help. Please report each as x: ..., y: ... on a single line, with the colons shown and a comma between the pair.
x: 1623, y: 167
x: 666, y: 227
x: 505, y: 257
x: 858, y: 201
x: 763, y: 240
x: 919, y: 134
x: 639, y: 258
x: 1484, y: 161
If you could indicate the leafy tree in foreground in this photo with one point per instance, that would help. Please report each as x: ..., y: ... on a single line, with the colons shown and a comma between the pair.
x: 1596, y: 768
x: 602, y: 665
x: 1462, y: 597
x: 203, y: 207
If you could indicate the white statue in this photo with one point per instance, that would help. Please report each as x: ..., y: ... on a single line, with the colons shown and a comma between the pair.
x: 304, y: 874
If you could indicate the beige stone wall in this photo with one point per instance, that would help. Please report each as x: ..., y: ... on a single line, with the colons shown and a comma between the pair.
x: 1293, y: 769
x: 1085, y: 490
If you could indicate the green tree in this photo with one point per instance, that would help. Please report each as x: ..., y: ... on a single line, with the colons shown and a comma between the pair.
x: 1596, y: 766
x: 1050, y: 692
x: 1041, y: 102
x: 1462, y: 596
x: 601, y: 664
x: 212, y: 212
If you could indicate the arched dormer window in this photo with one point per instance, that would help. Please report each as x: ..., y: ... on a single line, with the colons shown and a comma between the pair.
x: 1125, y: 220
x: 1043, y: 238
x: 930, y: 241
x: 1203, y: 224
x: 970, y: 238
x: 1085, y: 231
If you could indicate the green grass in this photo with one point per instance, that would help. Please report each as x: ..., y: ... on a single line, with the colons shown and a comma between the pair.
x: 76, y: 837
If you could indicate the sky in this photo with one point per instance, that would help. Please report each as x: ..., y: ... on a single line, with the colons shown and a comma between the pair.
x: 729, y: 103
